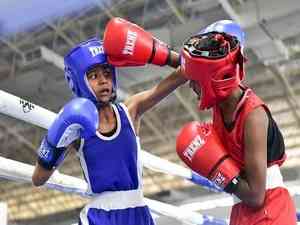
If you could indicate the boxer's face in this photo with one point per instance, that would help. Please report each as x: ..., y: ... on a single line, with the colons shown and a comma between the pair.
x: 100, y: 80
x: 196, y: 88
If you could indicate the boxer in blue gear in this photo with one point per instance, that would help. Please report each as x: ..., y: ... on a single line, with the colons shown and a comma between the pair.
x: 110, y: 155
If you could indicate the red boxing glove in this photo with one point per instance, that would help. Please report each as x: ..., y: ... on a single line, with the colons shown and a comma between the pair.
x: 127, y: 44
x: 201, y: 150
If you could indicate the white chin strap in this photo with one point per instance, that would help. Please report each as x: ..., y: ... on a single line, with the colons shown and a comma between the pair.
x: 89, y: 87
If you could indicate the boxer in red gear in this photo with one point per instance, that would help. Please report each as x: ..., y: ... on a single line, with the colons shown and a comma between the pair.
x: 213, y: 60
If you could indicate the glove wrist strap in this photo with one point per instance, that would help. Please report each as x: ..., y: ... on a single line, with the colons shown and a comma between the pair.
x: 49, y: 156
x: 232, y: 186
x: 153, y: 51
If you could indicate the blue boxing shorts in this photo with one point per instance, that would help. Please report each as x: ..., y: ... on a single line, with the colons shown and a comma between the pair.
x: 117, y: 208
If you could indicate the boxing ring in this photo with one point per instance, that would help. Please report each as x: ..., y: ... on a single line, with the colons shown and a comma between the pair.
x: 20, y: 172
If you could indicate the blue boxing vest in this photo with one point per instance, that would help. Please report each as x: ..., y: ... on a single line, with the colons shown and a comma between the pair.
x: 113, y: 171
x: 112, y: 163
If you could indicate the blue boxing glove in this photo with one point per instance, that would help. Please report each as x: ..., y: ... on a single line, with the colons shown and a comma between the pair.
x: 78, y: 118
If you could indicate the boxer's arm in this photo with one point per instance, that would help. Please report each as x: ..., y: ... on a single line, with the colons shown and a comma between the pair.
x: 41, y: 175
x: 143, y: 101
x: 251, y: 189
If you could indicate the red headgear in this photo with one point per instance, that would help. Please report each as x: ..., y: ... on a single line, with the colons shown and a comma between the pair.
x: 215, y: 61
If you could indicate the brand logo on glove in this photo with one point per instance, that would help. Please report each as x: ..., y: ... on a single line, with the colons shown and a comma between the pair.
x: 43, y: 152
x: 219, y: 179
x: 130, y: 43
x: 96, y: 50
x: 26, y: 105
x: 193, y: 147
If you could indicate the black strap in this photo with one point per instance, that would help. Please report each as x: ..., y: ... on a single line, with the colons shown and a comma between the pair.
x: 169, y: 59
x: 153, y: 51
x: 232, y: 186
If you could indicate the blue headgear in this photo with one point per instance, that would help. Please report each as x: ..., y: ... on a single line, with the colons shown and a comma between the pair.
x: 226, y: 26
x: 79, y: 61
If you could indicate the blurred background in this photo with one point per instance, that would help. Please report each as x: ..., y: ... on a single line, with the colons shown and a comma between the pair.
x: 35, y: 35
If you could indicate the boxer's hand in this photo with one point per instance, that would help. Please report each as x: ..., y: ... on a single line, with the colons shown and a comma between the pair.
x: 127, y: 44
x: 201, y: 149
x: 78, y: 118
